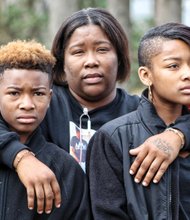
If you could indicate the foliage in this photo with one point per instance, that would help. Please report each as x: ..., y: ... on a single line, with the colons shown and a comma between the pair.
x: 92, y: 3
x: 137, y: 31
x: 21, y: 21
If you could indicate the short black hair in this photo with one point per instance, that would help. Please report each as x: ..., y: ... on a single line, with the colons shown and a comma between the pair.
x: 107, y: 23
x: 151, y: 42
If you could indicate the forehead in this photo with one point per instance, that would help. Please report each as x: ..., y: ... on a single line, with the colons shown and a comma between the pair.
x: 171, y: 47
x: 21, y: 76
x: 88, y: 31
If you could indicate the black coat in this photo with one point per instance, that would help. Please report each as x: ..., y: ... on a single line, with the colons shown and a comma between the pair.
x: 114, y: 194
x: 72, y: 180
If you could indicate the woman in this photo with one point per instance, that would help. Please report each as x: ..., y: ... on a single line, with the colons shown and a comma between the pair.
x: 91, y: 49
x: 164, y: 55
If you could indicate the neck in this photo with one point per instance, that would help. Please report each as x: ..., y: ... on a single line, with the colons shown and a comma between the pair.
x: 168, y: 113
x: 94, y: 102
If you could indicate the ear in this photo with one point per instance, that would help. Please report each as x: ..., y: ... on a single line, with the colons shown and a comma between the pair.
x: 145, y: 75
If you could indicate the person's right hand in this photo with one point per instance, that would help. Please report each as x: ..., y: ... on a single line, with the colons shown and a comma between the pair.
x: 154, y: 156
x: 40, y: 183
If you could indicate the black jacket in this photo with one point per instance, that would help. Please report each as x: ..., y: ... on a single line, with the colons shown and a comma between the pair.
x: 72, y: 180
x: 114, y: 194
x: 64, y: 108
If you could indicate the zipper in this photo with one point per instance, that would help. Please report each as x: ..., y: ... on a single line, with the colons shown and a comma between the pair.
x: 170, y: 195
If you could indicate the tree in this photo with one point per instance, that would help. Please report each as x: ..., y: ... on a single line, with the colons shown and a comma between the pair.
x: 21, y: 19
x: 121, y: 12
x: 58, y: 11
x: 167, y: 11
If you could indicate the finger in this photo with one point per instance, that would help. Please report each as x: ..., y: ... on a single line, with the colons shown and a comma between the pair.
x: 144, y: 167
x: 57, y: 193
x: 137, y: 162
x: 152, y: 171
x: 135, y: 151
x: 40, y: 198
x: 49, y: 197
x: 160, y: 172
x: 30, y: 197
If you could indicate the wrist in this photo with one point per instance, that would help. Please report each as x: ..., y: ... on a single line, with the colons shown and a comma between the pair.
x: 21, y: 155
x: 179, y: 134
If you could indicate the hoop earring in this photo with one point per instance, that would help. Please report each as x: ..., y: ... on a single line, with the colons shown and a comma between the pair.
x: 150, y: 97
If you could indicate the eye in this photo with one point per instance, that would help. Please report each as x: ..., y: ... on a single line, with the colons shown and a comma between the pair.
x: 13, y: 93
x: 39, y: 93
x: 103, y: 49
x: 173, y: 66
x: 77, y: 52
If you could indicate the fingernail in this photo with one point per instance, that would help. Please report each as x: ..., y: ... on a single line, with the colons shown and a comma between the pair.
x: 48, y: 211
x: 144, y: 183
x: 155, y: 181
x: 131, y: 172
x: 30, y: 208
x: 58, y: 205
x: 40, y: 212
x: 137, y: 180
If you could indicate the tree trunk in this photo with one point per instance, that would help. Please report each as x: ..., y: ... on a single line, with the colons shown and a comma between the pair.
x: 167, y: 11
x: 58, y: 11
x: 120, y: 10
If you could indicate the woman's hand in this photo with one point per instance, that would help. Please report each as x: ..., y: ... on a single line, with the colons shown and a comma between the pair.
x: 154, y: 156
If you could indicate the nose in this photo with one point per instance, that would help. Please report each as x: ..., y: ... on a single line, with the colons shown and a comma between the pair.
x: 26, y: 103
x: 91, y: 60
x: 186, y: 73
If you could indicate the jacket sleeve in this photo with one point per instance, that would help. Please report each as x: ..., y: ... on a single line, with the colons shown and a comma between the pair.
x: 105, y: 177
x: 183, y: 124
x: 9, y: 144
x: 75, y: 194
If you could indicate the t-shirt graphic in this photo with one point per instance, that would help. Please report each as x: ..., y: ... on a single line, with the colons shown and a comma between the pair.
x: 79, y: 139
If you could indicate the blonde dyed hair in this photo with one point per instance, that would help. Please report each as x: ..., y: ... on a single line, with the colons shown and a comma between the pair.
x: 29, y: 55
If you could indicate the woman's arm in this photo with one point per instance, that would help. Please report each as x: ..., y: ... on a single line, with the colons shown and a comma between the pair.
x: 155, y: 155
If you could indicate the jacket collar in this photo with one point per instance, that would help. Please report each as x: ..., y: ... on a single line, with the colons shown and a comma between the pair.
x: 149, y: 116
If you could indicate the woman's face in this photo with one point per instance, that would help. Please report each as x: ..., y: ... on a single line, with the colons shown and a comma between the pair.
x: 91, y: 65
x: 171, y: 74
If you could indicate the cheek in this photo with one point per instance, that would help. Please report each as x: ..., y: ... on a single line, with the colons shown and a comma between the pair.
x: 41, y: 110
x: 70, y: 73
x: 112, y: 64
x: 7, y: 112
x: 4, y: 107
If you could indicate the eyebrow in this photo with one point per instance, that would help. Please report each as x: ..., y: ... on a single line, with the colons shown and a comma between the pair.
x: 172, y: 58
x: 96, y: 43
x: 20, y: 88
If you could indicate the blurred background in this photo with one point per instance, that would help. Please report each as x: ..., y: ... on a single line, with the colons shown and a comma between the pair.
x: 41, y: 19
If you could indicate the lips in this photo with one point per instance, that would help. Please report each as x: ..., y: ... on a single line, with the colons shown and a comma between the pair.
x: 93, y: 78
x: 26, y: 119
x: 185, y: 90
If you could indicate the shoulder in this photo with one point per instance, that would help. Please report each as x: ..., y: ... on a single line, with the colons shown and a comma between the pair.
x: 59, y: 89
x: 119, y: 123
x: 132, y: 101
x: 133, y: 97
